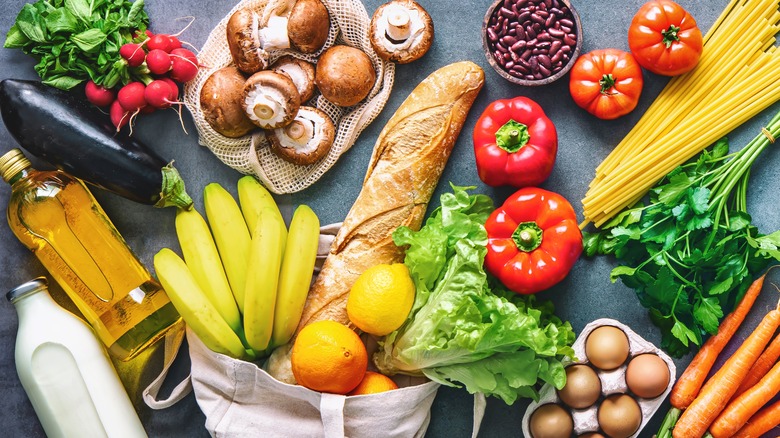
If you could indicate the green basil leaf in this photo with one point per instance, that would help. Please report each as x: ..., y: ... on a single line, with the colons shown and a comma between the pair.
x: 31, y: 24
x: 63, y: 82
x: 61, y: 20
x: 81, y: 9
x: 15, y: 38
x: 135, y: 10
x: 89, y: 40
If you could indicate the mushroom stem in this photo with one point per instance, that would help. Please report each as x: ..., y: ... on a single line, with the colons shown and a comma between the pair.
x: 265, y: 108
x: 398, y: 27
x: 300, y: 131
x: 274, y: 35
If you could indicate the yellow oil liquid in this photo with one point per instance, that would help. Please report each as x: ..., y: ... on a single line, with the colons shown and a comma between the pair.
x: 57, y: 218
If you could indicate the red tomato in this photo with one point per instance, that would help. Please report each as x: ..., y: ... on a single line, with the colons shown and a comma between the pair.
x: 607, y: 83
x: 664, y: 38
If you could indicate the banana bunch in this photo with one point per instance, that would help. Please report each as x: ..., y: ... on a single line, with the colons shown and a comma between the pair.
x: 244, y: 279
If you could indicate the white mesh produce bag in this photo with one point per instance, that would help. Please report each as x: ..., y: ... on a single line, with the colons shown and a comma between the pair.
x: 251, y: 154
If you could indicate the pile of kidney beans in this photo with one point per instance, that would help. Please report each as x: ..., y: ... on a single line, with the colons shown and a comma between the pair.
x: 532, y: 39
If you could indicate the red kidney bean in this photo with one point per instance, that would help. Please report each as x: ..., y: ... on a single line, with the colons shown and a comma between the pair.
x: 566, y: 29
x: 556, y: 58
x: 544, y: 70
x: 523, y: 16
x: 530, y: 32
x: 526, y: 54
x: 557, y: 33
x: 518, y: 46
x: 566, y: 22
x: 507, y: 40
x: 555, y: 46
x: 544, y: 36
x: 550, y: 21
x: 570, y: 39
x: 492, y: 35
x: 507, y: 13
x: 548, y: 3
x: 542, y: 13
x: 544, y: 45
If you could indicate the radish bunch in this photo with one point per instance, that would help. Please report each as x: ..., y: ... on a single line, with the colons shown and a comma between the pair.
x: 168, y: 65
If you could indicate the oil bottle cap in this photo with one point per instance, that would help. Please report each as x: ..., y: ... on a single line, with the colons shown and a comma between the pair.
x: 12, y: 163
x: 26, y: 288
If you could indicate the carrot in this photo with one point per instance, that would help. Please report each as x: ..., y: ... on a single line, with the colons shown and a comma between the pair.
x: 719, y: 388
x: 691, y: 381
x: 763, y: 364
x: 765, y: 420
x: 739, y: 411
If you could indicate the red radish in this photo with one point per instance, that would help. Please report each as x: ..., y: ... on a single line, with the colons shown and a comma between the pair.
x: 131, y: 96
x: 148, y: 33
x: 133, y: 53
x: 175, y: 43
x: 158, y: 61
x: 174, y: 88
x: 158, y: 94
x: 98, y: 95
x: 159, y: 41
x: 119, y: 117
x: 185, y: 65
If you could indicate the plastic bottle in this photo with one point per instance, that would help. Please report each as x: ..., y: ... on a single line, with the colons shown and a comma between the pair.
x: 54, y: 215
x: 66, y: 372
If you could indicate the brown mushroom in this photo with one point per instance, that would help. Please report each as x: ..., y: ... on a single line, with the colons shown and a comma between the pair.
x: 220, y: 101
x: 301, y: 73
x: 306, y: 139
x: 308, y: 25
x: 252, y: 34
x: 401, y: 31
x: 270, y: 99
x: 345, y: 75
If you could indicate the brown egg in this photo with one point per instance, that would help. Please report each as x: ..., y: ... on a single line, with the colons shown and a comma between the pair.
x: 551, y: 421
x: 647, y: 375
x: 619, y: 416
x: 607, y: 347
x: 582, y: 388
x: 591, y: 435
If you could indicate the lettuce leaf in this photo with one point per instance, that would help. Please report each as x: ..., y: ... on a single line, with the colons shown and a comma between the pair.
x: 465, y: 328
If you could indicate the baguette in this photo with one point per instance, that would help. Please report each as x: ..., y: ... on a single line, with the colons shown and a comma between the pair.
x: 407, y: 162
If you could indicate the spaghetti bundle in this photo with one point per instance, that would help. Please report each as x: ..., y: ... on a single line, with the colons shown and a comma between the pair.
x: 738, y: 76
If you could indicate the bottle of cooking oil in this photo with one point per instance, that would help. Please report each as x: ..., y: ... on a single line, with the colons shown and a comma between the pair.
x: 54, y: 215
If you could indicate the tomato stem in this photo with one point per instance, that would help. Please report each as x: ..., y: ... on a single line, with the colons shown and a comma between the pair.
x: 607, y: 82
x: 670, y: 35
x: 527, y: 236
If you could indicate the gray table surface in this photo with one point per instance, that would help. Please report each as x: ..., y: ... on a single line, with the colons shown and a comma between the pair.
x: 585, y: 295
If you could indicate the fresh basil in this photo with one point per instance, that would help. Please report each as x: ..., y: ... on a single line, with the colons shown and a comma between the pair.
x: 77, y: 40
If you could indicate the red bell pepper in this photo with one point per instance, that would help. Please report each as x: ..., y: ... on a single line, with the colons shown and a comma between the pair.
x: 514, y: 143
x: 533, y: 240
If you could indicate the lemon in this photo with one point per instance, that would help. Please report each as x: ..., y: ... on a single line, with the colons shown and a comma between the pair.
x: 381, y: 298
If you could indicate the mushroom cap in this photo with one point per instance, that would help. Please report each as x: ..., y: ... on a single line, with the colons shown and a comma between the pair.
x: 242, y: 40
x: 301, y: 73
x: 308, y: 25
x: 410, y: 49
x: 315, y: 133
x: 270, y: 99
x: 220, y: 101
x: 345, y: 75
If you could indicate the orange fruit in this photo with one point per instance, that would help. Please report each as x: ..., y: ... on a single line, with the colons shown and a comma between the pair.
x: 329, y: 357
x: 373, y: 383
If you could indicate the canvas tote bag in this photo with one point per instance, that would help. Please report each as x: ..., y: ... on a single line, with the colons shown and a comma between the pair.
x: 240, y: 399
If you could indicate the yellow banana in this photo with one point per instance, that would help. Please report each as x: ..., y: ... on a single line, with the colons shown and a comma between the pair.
x: 265, y: 259
x: 194, y: 307
x: 204, y: 263
x: 295, y: 277
x: 253, y: 198
x: 231, y: 236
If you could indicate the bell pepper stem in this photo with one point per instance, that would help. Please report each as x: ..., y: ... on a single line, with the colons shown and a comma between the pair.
x: 527, y: 236
x: 512, y: 136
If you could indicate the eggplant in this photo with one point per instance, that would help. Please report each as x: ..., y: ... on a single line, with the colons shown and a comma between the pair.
x: 76, y: 137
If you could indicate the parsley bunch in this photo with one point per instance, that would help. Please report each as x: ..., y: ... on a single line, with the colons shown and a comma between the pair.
x: 77, y: 40
x: 690, y: 251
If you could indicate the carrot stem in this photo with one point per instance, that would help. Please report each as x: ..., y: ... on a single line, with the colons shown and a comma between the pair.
x: 688, y: 385
x: 714, y: 396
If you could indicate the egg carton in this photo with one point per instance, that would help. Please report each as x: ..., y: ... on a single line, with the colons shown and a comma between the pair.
x: 612, y: 382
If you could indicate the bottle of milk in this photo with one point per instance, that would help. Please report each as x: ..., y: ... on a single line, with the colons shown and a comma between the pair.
x: 66, y: 372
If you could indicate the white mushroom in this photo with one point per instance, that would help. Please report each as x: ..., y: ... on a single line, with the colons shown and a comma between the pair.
x: 308, y: 26
x: 306, y: 139
x: 252, y: 34
x: 301, y: 73
x: 270, y: 99
x: 401, y: 31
